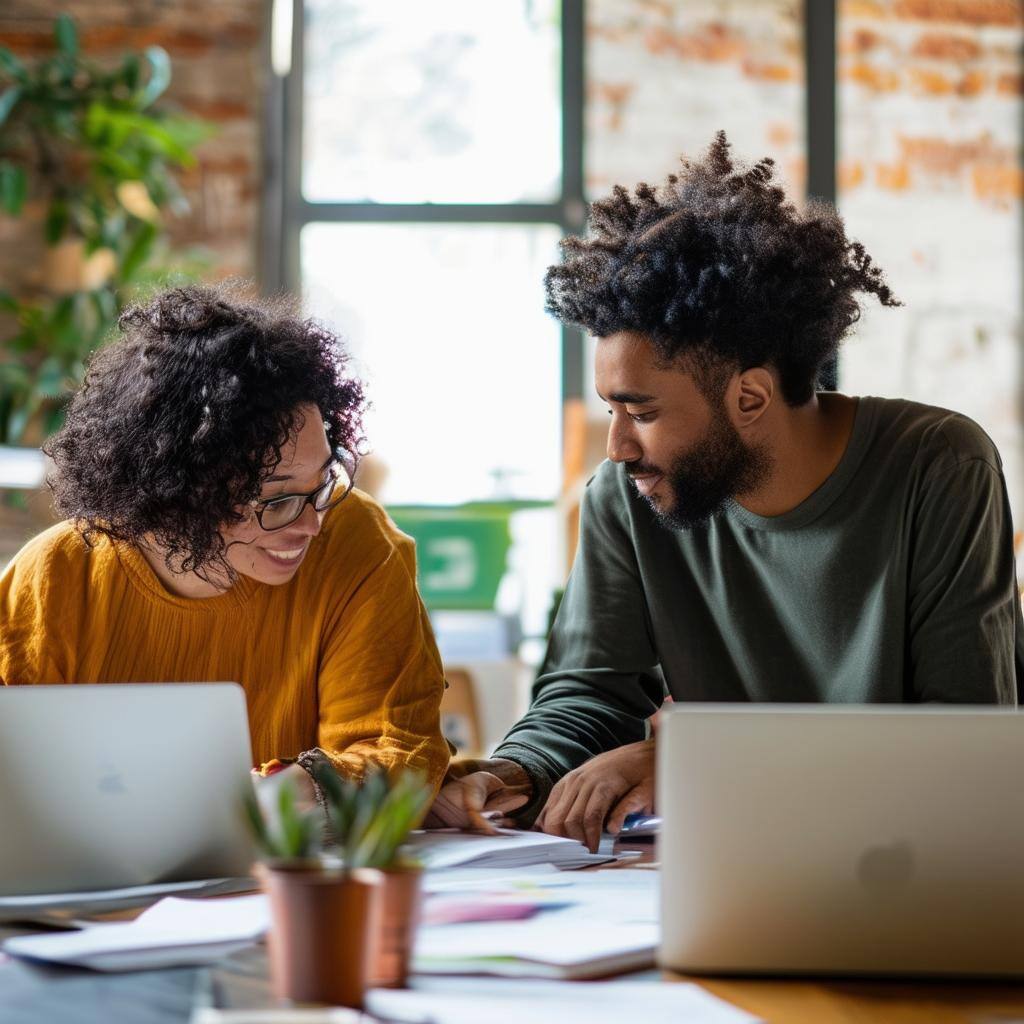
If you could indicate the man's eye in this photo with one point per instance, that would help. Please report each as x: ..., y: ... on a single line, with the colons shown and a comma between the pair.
x: 636, y: 417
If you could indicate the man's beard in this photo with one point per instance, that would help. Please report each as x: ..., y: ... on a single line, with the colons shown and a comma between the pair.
x: 703, y: 478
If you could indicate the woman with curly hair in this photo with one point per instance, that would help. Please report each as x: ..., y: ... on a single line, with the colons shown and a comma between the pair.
x: 751, y: 537
x: 211, y: 532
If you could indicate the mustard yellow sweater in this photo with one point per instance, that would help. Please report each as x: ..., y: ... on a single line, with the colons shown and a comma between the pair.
x: 341, y: 657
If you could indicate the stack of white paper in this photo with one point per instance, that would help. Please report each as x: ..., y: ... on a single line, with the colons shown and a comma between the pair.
x: 171, y: 933
x: 599, y: 923
x: 449, y: 848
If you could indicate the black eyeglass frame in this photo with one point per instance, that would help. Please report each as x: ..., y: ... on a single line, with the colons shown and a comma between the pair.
x: 344, y: 459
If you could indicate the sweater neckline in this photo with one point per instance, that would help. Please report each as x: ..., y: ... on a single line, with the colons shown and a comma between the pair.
x: 145, y: 580
x: 819, y: 501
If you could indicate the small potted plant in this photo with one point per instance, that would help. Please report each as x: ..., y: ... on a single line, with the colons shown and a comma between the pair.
x: 342, y: 915
x: 370, y: 821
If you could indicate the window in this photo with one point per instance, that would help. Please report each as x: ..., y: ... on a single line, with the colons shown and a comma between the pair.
x: 432, y: 160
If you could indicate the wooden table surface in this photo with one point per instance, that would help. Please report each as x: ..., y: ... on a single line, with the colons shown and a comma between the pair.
x: 835, y: 1001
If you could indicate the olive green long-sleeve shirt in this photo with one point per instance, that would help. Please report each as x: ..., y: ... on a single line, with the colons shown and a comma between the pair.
x: 893, y: 582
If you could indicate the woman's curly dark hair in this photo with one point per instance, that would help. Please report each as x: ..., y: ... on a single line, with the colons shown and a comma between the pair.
x: 718, y: 266
x: 182, y: 417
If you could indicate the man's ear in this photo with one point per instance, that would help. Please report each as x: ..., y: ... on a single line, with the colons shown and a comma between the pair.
x: 749, y: 395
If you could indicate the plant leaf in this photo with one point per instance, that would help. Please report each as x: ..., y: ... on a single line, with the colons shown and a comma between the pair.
x: 159, y: 76
x: 139, y: 251
x: 57, y: 217
x: 373, y: 818
x: 130, y: 71
x: 13, y: 188
x: 10, y: 65
x: 8, y: 101
x: 66, y: 34
x: 50, y: 378
x: 18, y: 421
x: 290, y: 837
x: 257, y: 823
x: 14, y: 377
x: 53, y: 416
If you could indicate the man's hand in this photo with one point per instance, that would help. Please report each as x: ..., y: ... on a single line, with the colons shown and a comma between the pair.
x: 598, y: 795
x: 475, y: 793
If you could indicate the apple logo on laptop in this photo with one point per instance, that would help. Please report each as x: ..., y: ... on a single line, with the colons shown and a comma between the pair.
x: 887, y: 866
x: 110, y: 780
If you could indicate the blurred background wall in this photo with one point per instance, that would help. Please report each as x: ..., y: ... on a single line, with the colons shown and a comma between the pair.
x: 929, y: 118
x: 219, y: 71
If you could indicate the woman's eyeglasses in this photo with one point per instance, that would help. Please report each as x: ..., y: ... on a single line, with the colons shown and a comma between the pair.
x: 276, y: 513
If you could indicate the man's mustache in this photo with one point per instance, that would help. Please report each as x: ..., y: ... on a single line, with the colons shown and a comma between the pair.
x: 642, y: 469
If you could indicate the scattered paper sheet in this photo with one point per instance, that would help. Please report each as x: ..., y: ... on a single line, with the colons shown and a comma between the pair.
x: 100, y: 900
x: 595, y: 924
x: 171, y: 933
x: 486, y: 879
x: 450, y: 848
x: 468, y: 1001
x: 583, y: 924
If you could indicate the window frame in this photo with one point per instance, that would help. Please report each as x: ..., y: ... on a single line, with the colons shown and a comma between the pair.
x: 286, y: 211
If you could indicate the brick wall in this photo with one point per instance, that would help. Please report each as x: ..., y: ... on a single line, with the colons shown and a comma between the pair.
x: 217, y: 64
x: 931, y: 182
x: 930, y: 174
x: 664, y: 76
x: 216, y: 56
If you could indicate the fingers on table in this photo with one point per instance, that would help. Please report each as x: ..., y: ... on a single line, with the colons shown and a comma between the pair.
x: 481, y: 792
x: 578, y: 812
x: 636, y: 801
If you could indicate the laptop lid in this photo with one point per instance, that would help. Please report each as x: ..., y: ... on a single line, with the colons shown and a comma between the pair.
x: 831, y: 839
x: 116, y: 785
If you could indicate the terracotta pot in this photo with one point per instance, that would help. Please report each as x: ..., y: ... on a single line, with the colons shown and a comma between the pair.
x: 399, y: 918
x: 323, y: 922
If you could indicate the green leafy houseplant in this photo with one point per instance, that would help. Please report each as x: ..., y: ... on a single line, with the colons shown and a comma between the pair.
x: 368, y: 820
x: 88, y: 148
x: 292, y: 835
x: 344, y: 916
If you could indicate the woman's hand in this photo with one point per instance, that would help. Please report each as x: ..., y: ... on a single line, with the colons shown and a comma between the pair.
x: 478, y: 795
x: 269, y: 782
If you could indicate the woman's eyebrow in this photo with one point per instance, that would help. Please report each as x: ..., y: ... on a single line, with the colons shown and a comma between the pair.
x: 280, y: 479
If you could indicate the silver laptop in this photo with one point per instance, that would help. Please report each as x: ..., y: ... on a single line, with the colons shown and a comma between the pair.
x: 117, y: 785
x: 868, y: 840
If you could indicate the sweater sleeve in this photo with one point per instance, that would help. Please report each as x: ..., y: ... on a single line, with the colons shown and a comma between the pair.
x: 601, y: 680
x: 964, y: 614
x: 380, y: 676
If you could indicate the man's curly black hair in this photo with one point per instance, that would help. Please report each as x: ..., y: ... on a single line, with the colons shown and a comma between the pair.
x: 718, y: 266
x: 183, y: 416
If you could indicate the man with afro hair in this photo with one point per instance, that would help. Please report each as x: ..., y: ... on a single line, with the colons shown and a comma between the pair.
x: 751, y: 537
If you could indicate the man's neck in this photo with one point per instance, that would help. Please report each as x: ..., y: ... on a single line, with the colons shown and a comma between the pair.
x: 806, y: 445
